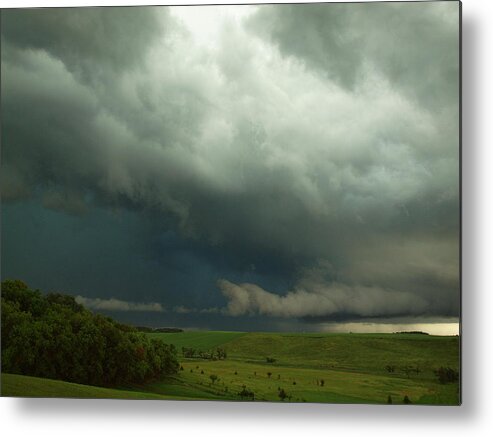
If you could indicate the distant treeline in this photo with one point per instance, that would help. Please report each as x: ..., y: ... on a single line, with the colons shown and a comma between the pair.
x: 214, y: 354
x: 412, y: 332
x: 147, y: 329
x: 52, y: 336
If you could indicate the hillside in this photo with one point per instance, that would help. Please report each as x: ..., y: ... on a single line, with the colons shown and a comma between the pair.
x: 337, y: 368
x: 30, y: 386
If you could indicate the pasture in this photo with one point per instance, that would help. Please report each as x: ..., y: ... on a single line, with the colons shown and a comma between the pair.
x: 203, y: 340
x: 353, y: 367
x: 336, y: 368
x: 30, y: 386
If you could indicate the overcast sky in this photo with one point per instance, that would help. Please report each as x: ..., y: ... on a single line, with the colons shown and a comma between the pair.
x: 288, y: 167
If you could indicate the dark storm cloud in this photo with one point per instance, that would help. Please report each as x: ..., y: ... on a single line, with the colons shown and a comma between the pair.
x: 414, y: 44
x: 322, y: 301
x: 86, y: 37
x: 125, y: 255
x: 327, y: 142
x: 119, y: 305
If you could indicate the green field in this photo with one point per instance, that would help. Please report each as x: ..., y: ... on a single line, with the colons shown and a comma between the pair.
x: 29, y: 386
x: 204, y: 340
x: 352, y: 367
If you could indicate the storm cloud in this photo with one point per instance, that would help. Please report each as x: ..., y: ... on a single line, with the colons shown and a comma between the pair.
x: 270, y: 140
x: 415, y: 46
x: 324, y: 301
x: 118, y: 305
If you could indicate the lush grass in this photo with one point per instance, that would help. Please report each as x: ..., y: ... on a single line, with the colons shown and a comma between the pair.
x: 29, y: 386
x: 203, y: 340
x: 351, y: 365
x: 448, y: 394
x: 357, y: 352
x: 339, y: 386
x: 183, y: 388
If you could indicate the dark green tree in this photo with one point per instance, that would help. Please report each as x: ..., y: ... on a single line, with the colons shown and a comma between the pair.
x: 282, y: 394
x: 52, y: 336
x: 246, y: 394
x: 445, y: 375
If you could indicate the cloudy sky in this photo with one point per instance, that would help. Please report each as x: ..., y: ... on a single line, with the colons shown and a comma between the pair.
x: 288, y: 167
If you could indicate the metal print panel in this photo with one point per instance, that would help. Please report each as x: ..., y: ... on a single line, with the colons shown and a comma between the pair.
x: 235, y: 203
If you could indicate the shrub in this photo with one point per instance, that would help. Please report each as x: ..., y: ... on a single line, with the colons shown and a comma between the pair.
x: 408, y: 370
x: 246, y: 394
x: 282, y: 394
x: 446, y: 374
x: 213, y: 378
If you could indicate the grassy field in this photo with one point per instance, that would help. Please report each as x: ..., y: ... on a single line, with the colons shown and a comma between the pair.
x: 203, y: 340
x: 351, y: 366
x: 29, y: 386
x: 360, y: 352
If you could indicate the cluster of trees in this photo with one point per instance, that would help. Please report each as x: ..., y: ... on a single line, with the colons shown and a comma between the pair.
x: 446, y: 374
x: 167, y: 330
x: 52, y: 336
x: 390, y: 368
x: 406, y: 400
x: 246, y: 394
x: 214, y: 354
x: 410, y: 369
x: 283, y: 394
x: 406, y: 369
x: 412, y: 332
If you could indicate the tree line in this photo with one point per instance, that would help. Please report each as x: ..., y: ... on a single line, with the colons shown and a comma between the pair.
x: 214, y: 354
x: 165, y: 330
x: 52, y: 336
